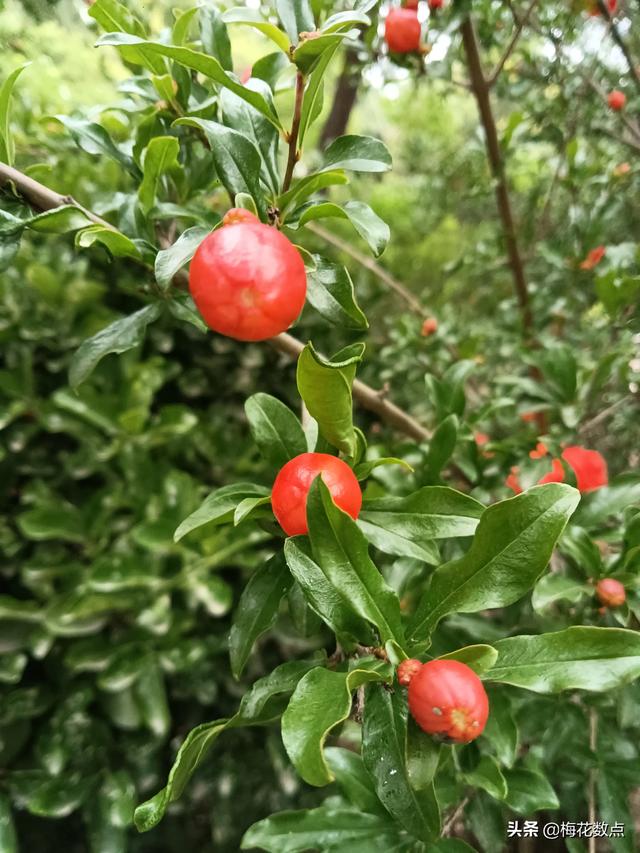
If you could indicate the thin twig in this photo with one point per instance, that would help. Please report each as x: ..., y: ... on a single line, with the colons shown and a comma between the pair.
x: 481, y: 91
x: 294, y: 154
x: 451, y: 821
x: 491, y: 81
x: 617, y: 37
x: 42, y: 198
x: 591, y: 793
x: 604, y: 414
x: 372, y: 266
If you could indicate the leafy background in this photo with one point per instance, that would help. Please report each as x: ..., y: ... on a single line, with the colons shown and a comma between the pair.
x: 114, y: 637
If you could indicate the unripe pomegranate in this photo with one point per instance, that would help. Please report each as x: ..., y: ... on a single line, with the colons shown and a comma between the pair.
x: 407, y: 669
x: 611, y: 592
x: 446, y: 698
x: 402, y: 31
x: 247, y: 280
x: 616, y: 100
x: 291, y: 487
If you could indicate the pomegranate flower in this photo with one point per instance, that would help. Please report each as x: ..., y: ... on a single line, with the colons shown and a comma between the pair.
x: 589, y: 466
x: 593, y: 258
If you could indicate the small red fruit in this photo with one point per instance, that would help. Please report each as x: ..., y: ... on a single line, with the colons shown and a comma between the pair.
x: 247, y: 280
x: 429, y: 327
x: 407, y: 669
x: 446, y: 698
x: 291, y: 487
x: 616, y: 100
x: 402, y: 31
x: 435, y: 4
x: 611, y: 592
x: 589, y: 466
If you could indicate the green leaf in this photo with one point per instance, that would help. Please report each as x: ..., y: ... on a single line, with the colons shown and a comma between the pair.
x: 325, y: 387
x: 249, y: 506
x: 529, y: 792
x: 6, y: 141
x: 310, y: 51
x: 253, y: 18
x: 341, y: 551
x: 330, y: 291
x: 480, y: 657
x: 488, y: 776
x: 321, y: 828
x: 182, y: 25
x: 236, y: 158
x: 309, y: 185
x: 384, y: 750
x: 296, y: 17
x: 257, y: 609
x: 161, y: 156
x: 8, y: 836
x: 364, y: 469
x: 406, y: 526
x: 510, y: 550
x: 323, y: 597
x: 219, y: 507
x: 358, y: 154
x: 94, y: 139
x: 269, y: 68
x: 257, y: 707
x: 115, y: 18
x: 313, y: 94
x: 442, y: 446
x: 578, y: 658
x: 321, y: 700
x: 597, y: 507
x: 151, y: 699
x: 353, y: 779
x: 119, y: 337
x: 59, y: 220
x: 244, y: 118
x: 275, y: 429
x: 368, y: 224
x: 501, y: 730
x: 552, y: 588
x: 346, y: 20
x: 169, y: 261
x: 207, y: 65
x: 61, y: 521
x: 214, y: 36
x: 117, y: 243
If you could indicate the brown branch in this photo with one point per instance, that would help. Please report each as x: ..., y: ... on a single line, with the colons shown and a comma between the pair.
x: 43, y: 198
x: 491, y: 81
x: 372, y: 266
x: 292, y: 138
x: 617, y: 37
x: 451, y: 821
x: 480, y: 89
x: 591, y: 790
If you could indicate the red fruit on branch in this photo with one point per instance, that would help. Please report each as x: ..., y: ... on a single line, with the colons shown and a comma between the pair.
x: 429, y: 327
x: 611, y: 592
x: 446, y: 698
x: 247, y: 280
x: 616, y: 100
x: 407, y: 669
x: 589, y: 466
x: 291, y: 487
x: 402, y: 31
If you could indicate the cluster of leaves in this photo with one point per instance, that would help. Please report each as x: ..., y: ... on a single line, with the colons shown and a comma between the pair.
x: 121, y: 572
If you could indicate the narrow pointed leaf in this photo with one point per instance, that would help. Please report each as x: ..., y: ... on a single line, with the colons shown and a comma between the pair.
x: 275, y: 429
x: 169, y: 261
x: 219, y: 507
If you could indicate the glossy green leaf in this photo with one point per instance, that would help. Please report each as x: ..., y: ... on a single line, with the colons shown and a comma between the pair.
x: 59, y: 220
x: 325, y: 828
x: 214, y: 36
x: 60, y: 521
x: 182, y: 25
x: 207, y: 65
x: 510, y: 550
x: 269, y: 68
x: 119, y: 337
x: 117, y: 243
x: 353, y: 779
x: 325, y: 387
x: 384, y: 750
x: 488, y: 776
x: 310, y: 51
x: 358, y: 154
x: 257, y: 609
x: 8, y: 836
x: 341, y: 551
x: 6, y: 140
x: 236, y: 158
x: 313, y: 93
x: 257, y: 707
x: 296, y: 17
x: 253, y: 18
x: 552, y: 588
x: 241, y: 116
x: 501, y: 730
x: 323, y: 597
x: 529, y: 792
x: 597, y: 507
x: 169, y: 261
x: 161, y: 157
x: 367, y: 223
x: 275, y: 429
x: 442, y: 446
x: 365, y: 469
x: 322, y: 700
x: 330, y: 291
x: 407, y: 526
x: 219, y: 507
x: 94, y: 139
x: 480, y: 657
x: 151, y: 696
x: 578, y: 658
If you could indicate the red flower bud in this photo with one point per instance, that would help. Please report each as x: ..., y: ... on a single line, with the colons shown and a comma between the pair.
x: 611, y: 592
x: 407, y: 669
x: 616, y: 100
x: 429, y: 327
x: 446, y: 698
